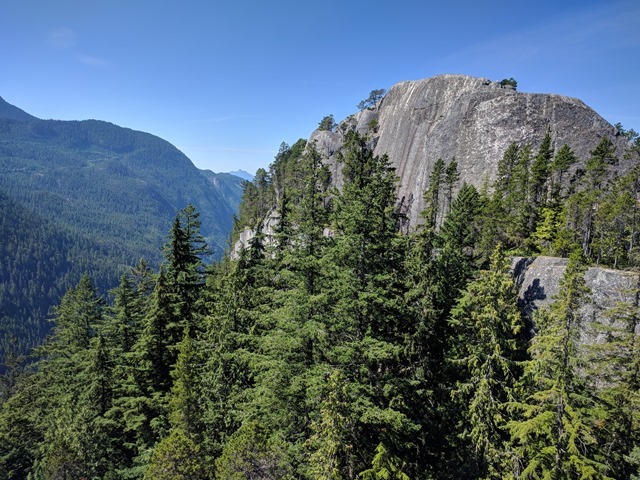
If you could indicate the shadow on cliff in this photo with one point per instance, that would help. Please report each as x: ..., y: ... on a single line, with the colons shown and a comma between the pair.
x: 527, y: 302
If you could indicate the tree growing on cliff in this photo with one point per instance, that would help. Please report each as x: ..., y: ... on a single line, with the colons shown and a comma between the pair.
x: 327, y: 124
x: 511, y: 82
x: 372, y: 100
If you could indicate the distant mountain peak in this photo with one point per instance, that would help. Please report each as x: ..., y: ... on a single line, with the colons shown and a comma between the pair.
x: 11, y: 112
x: 242, y: 174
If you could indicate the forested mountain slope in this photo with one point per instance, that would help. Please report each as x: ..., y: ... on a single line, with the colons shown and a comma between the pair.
x: 38, y: 263
x: 104, y: 194
x: 349, y: 348
x: 345, y: 342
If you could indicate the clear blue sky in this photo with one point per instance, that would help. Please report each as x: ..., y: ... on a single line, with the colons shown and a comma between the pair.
x: 228, y: 81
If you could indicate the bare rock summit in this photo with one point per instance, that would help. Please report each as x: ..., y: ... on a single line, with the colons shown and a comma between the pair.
x: 471, y: 119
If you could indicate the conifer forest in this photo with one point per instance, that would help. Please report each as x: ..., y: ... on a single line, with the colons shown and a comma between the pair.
x: 340, y: 343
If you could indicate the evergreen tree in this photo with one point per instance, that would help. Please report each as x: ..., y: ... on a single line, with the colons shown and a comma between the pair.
x: 124, y: 320
x: 506, y: 170
x: 457, y: 240
x: 75, y: 375
x: 185, y: 269
x: 432, y: 198
x: 184, y: 404
x: 288, y: 344
x: 179, y: 454
x: 21, y: 428
x: 385, y: 466
x: 451, y: 179
x: 540, y: 171
x: 614, y: 373
x: 554, y: 433
x: 250, y: 455
x: 367, y: 327
x: 487, y: 322
x: 238, y: 298
x: 156, y: 344
x: 177, y: 457
x: 329, y: 459
x: 561, y: 163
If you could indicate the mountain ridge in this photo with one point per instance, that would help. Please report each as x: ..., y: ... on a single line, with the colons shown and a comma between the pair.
x: 111, y: 189
x: 14, y: 113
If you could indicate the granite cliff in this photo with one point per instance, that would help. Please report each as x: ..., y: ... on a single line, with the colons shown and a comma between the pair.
x: 538, y: 281
x: 471, y: 119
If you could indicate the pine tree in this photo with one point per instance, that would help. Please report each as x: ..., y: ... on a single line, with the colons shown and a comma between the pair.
x: 131, y: 408
x: 487, y: 323
x: 124, y: 320
x: 185, y: 269
x: 156, y: 347
x: 457, y: 240
x: 177, y: 457
x: 540, y: 171
x: 432, y: 198
x: 597, y: 165
x: 554, y: 433
x: 614, y: 373
x: 451, y: 178
x: 581, y: 207
x: 75, y: 375
x: 179, y: 453
x: 250, y: 454
x: 238, y: 297
x: 367, y: 327
x: 288, y: 344
x: 561, y: 163
x: 506, y: 170
x: 330, y: 453
x: 184, y: 401
x: 384, y: 466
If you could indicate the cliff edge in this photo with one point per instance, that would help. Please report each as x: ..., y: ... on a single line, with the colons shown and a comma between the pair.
x: 471, y: 119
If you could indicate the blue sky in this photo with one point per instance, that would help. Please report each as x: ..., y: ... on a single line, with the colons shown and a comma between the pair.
x: 228, y: 81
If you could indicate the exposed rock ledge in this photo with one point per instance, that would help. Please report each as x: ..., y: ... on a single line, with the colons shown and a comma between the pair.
x: 539, y: 279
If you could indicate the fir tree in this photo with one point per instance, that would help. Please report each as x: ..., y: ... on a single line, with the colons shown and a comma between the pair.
x: 554, y: 433
x: 540, y: 171
x: 450, y: 179
x: 367, y: 327
x: 432, y: 198
x: 330, y: 456
x: 614, y: 373
x: 487, y: 323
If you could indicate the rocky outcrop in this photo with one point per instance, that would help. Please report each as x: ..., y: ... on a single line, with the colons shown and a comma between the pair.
x: 539, y: 281
x: 268, y: 231
x: 471, y: 119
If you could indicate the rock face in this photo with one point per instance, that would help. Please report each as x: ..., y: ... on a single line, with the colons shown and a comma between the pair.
x: 539, y: 280
x: 471, y: 119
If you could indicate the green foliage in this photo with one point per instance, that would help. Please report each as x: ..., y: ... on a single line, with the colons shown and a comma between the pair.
x: 634, y: 459
x: 177, y: 457
x: 327, y: 124
x: 92, y: 197
x: 509, y: 82
x: 372, y: 100
x: 554, y: 434
x: 330, y: 455
x: 432, y: 194
x: 614, y: 372
x: 337, y: 345
x: 487, y: 322
x: 248, y: 455
x: 384, y: 467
